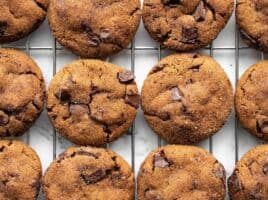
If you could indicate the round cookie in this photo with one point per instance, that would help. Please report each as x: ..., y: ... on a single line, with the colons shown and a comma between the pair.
x: 88, y: 173
x: 19, y: 18
x: 251, y: 101
x: 186, y: 98
x: 252, y: 16
x: 181, y: 172
x: 20, y: 171
x: 92, y: 102
x: 250, y: 177
x: 22, y: 92
x: 186, y: 25
x: 94, y: 28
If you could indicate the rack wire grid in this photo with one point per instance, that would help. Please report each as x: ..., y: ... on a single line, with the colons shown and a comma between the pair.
x: 227, y: 146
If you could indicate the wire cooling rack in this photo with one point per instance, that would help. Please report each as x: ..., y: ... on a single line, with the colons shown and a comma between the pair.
x: 228, y: 145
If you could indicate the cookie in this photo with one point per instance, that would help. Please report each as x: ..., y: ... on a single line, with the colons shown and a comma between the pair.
x: 88, y: 173
x: 251, y: 100
x: 186, y: 25
x: 250, y: 177
x: 181, y: 172
x: 186, y: 98
x: 92, y: 102
x: 94, y: 28
x: 251, y: 17
x: 22, y: 92
x: 19, y: 18
x: 20, y: 171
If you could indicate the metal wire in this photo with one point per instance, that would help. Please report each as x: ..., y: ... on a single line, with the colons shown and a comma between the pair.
x: 54, y: 52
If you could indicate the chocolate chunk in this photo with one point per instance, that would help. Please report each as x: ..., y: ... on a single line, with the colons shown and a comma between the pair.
x: 86, y: 153
x: 63, y: 95
x: 4, y: 119
x: 172, y: 2
x: 189, y: 81
x: 219, y: 172
x: 189, y: 35
x: 165, y: 116
x: 152, y: 194
x: 160, y: 160
x: 158, y: 68
x: 93, y: 38
x: 195, y: 55
x: 79, y: 109
x: 264, y: 127
x: 94, y: 41
x: 125, y: 77
x: 106, y: 129
x: 195, y: 68
x: 176, y: 94
x: 2, y: 148
x: 133, y: 100
x: 104, y: 34
x: 234, y: 183
x: 3, y: 27
x: 265, y: 169
x: 94, y: 177
x: 200, y: 12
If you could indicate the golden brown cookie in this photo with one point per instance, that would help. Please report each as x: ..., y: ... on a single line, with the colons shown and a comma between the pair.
x: 181, y: 172
x: 251, y: 100
x: 88, y: 173
x: 92, y: 102
x: 20, y: 171
x: 249, y: 180
x: 94, y: 28
x: 22, y: 92
x: 18, y: 18
x: 252, y: 17
x: 186, y: 98
x: 186, y: 25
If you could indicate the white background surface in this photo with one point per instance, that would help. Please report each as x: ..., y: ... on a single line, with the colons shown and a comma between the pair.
x: 40, y: 136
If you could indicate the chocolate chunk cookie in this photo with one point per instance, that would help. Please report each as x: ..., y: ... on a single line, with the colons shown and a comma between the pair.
x: 251, y: 100
x: 89, y: 173
x: 249, y: 180
x: 19, y: 18
x: 22, y: 92
x: 252, y: 17
x: 91, y: 102
x: 186, y: 98
x: 181, y: 172
x: 94, y: 28
x: 186, y: 25
x: 20, y: 171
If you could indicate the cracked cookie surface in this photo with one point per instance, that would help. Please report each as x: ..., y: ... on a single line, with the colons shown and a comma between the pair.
x: 251, y: 101
x: 186, y: 25
x: 20, y: 171
x: 92, y: 102
x: 250, y: 177
x: 186, y: 98
x: 22, y: 92
x: 94, y: 28
x: 252, y: 17
x: 89, y: 173
x: 177, y: 172
x: 19, y: 18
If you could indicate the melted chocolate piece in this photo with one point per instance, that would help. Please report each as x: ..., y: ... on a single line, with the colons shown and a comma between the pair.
x: 160, y: 160
x: 126, y: 76
x: 200, y: 12
x: 189, y: 35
